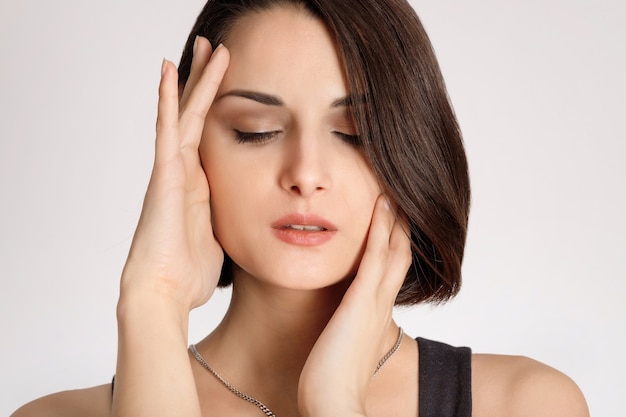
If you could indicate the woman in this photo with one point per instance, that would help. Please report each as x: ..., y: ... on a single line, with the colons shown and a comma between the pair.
x: 313, y: 161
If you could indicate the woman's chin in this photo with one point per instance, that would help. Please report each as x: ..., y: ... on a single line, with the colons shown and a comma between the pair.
x: 298, y: 279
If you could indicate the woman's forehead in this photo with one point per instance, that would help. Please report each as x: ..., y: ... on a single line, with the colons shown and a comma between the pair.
x: 284, y: 51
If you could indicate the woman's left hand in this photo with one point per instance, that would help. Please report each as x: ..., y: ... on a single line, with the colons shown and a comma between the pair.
x: 339, y: 369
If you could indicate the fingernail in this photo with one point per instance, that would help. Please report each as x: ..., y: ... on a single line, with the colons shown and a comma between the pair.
x: 195, y: 44
x: 386, y: 203
x: 163, y: 67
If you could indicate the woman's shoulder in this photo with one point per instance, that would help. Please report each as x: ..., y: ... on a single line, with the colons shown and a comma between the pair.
x: 520, y: 386
x: 88, y: 402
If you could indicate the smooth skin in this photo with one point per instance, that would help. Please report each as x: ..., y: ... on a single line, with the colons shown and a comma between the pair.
x: 304, y: 347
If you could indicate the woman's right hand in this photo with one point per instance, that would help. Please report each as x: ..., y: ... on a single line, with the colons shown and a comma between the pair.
x: 174, y: 261
x: 174, y: 253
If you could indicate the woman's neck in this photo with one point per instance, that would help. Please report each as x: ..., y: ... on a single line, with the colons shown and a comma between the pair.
x: 268, y: 332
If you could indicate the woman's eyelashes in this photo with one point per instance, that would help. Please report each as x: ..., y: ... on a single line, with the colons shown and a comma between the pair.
x: 354, y: 140
x: 255, y: 137
x: 262, y: 137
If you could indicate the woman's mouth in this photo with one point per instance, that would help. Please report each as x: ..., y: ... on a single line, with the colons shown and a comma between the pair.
x: 303, y: 229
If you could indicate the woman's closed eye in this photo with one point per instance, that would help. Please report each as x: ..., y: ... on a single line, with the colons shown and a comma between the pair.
x: 262, y: 137
x: 255, y: 137
x: 350, y: 139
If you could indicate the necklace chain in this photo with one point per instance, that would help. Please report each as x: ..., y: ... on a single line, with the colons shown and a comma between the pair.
x: 230, y: 386
x: 258, y: 403
x: 391, y: 352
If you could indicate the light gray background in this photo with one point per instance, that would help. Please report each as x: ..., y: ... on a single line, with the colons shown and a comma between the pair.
x: 540, y: 94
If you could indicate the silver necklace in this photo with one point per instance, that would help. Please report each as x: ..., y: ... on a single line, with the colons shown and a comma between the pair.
x: 389, y: 354
x: 258, y: 403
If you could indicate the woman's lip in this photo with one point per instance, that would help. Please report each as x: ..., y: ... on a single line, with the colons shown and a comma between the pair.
x: 303, y: 219
x: 296, y: 236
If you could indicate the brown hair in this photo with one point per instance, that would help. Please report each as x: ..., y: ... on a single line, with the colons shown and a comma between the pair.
x: 406, y: 123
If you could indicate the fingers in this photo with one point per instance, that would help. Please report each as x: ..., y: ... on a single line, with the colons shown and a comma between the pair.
x: 387, y: 256
x: 167, y: 118
x: 201, y: 94
x: 179, y: 126
x: 400, y: 258
x: 377, y: 250
x: 202, y: 51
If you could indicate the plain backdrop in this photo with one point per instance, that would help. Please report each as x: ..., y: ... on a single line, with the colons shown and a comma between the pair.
x: 539, y: 90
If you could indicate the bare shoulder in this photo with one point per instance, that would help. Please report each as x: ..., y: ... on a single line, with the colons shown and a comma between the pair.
x: 517, y: 386
x: 88, y: 402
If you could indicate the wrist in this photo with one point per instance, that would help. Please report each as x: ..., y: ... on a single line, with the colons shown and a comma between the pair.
x: 141, y: 309
x: 152, y: 288
x: 153, y: 374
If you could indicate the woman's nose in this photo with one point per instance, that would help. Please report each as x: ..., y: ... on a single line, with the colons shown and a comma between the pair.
x: 305, y: 165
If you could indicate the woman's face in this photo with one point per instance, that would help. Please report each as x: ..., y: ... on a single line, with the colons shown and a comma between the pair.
x: 291, y: 195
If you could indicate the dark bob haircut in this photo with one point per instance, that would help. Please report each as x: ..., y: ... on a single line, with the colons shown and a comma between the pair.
x: 407, y: 126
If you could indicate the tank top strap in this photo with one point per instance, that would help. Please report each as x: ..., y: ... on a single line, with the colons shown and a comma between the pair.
x: 445, y: 380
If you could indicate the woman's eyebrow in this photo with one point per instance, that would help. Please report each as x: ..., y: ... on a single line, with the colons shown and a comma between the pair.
x: 262, y: 98
x: 271, y: 100
x: 347, y: 101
